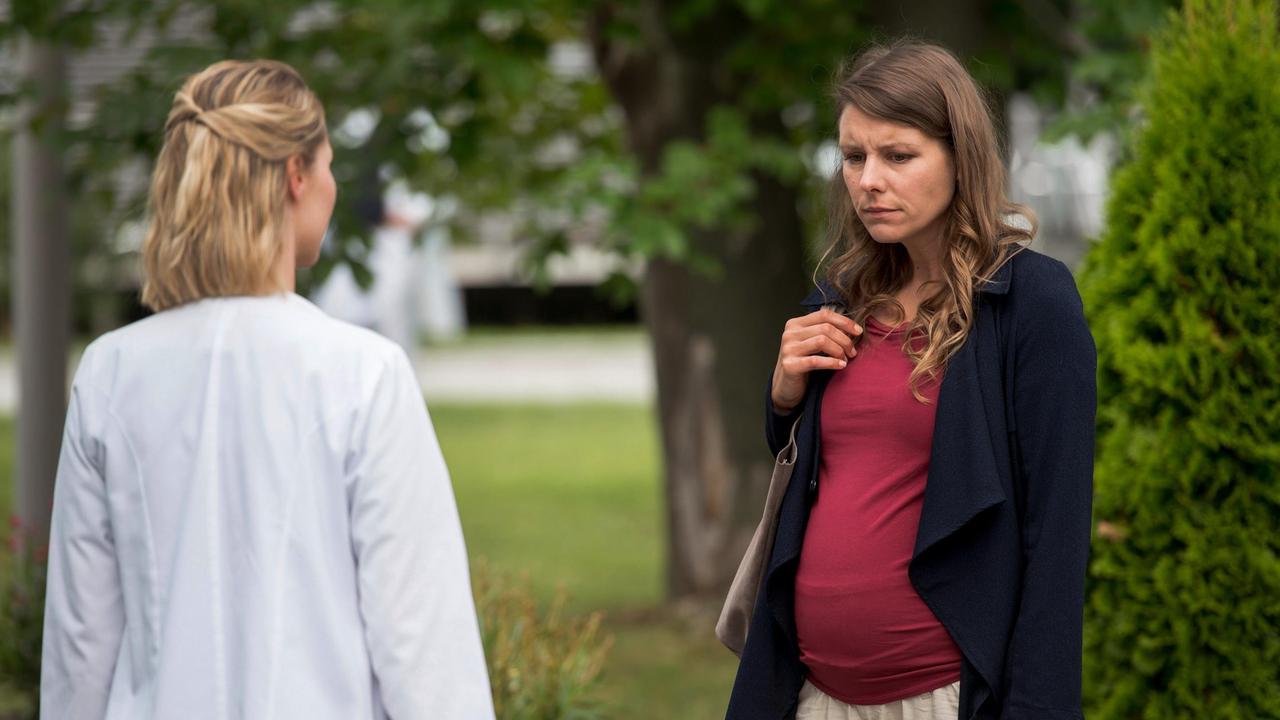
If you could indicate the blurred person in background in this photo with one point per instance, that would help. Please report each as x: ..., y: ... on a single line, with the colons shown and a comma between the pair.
x: 931, y: 546
x: 413, y: 287
x: 252, y: 516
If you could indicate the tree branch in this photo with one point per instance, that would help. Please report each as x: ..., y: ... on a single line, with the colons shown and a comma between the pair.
x: 1057, y: 26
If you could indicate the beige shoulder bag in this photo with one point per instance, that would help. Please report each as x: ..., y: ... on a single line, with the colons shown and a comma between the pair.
x: 735, y: 617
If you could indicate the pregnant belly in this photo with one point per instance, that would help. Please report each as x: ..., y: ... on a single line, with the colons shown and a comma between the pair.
x: 871, y: 640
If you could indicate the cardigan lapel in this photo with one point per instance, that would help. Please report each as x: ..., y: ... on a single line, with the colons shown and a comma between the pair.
x: 964, y: 476
x: 964, y: 473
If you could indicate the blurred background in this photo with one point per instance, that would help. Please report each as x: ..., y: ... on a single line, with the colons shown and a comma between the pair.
x: 585, y: 221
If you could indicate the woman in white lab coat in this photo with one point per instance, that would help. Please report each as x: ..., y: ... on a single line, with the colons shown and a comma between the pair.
x: 252, y: 517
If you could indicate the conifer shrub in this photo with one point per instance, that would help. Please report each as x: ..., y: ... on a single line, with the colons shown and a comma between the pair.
x: 1183, y: 296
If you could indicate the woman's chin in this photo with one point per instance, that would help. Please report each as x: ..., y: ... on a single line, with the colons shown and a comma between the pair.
x: 885, y: 238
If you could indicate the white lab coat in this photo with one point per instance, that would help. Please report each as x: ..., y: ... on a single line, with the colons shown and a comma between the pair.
x: 253, y: 519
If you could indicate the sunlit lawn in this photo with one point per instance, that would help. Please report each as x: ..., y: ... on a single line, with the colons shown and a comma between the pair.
x: 571, y: 496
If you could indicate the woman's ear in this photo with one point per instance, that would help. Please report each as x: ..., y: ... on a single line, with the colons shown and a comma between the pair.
x: 296, y: 175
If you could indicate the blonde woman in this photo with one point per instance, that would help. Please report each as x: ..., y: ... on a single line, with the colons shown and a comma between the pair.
x: 931, y: 548
x: 252, y: 517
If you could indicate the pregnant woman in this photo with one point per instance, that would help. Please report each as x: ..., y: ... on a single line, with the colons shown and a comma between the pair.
x: 252, y: 518
x: 931, y: 547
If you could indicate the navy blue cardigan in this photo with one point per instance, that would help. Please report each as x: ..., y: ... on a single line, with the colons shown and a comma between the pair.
x: 1004, y: 532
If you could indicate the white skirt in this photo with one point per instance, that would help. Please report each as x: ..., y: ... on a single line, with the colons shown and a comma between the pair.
x: 940, y: 704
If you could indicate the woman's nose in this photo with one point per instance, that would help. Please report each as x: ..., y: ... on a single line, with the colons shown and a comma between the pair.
x: 872, y: 178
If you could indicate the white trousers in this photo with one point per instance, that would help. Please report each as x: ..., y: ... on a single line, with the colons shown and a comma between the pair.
x: 940, y: 704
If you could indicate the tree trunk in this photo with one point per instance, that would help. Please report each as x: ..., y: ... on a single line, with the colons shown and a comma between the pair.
x: 715, y: 340
x: 41, y: 283
x: 959, y: 25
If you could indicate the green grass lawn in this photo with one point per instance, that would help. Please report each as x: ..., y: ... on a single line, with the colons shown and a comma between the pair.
x: 571, y: 496
x: 567, y: 494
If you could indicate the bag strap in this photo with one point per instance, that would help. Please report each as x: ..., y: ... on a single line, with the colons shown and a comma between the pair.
x: 791, y: 441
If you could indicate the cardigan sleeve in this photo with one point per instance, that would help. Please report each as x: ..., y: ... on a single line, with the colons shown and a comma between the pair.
x: 1055, y: 398
x: 777, y: 428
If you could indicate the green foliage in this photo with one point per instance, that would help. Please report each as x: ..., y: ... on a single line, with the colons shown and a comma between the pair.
x: 1110, y: 64
x: 22, y: 582
x: 1183, y: 617
x: 467, y: 103
x: 449, y: 90
x: 543, y: 662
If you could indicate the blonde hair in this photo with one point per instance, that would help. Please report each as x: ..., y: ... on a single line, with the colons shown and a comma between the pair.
x: 924, y: 86
x: 218, y: 192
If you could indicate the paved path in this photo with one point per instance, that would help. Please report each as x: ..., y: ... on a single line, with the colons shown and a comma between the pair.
x: 518, y: 369
x: 542, y: 370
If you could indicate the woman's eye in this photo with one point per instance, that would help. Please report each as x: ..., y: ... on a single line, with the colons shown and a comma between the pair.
x: 853, y: 157
x: 899, y: 157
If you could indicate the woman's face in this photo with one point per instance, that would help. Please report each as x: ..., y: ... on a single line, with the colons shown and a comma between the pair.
x: 312, y: 192
x: 900, y: 180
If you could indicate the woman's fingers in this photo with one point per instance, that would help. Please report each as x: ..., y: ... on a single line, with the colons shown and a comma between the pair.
x: 804, y: 333
x: 822, y: 340
x: 800, y: 364
x: 830, y: 317
x: 833, y: 344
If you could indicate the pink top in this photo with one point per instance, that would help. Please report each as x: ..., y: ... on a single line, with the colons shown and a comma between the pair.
x: 865, y: 635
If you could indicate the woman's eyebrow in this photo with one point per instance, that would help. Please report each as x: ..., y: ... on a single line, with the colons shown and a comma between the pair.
x: 899, y: 145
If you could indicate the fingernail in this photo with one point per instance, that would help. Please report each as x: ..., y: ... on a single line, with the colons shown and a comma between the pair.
x: 843, y: 363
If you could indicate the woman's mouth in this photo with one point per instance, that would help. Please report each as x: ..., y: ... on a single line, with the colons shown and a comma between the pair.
x: 877, y: 212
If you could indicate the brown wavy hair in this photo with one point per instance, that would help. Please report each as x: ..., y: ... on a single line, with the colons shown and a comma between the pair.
x: 925, y: 87
x: 218, y: 192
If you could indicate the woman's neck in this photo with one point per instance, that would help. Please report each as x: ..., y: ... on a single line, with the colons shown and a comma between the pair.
x: 283, y: 274
x: 926, y: 261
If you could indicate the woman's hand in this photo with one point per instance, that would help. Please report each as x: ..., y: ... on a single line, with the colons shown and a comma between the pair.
x: 821, y: 340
